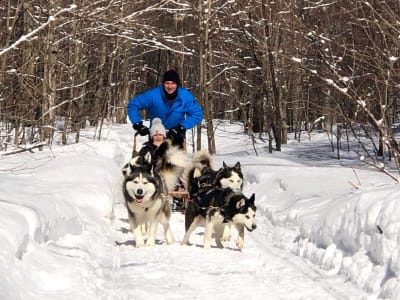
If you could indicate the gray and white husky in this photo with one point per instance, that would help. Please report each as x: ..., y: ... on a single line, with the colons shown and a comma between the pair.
x: 145, y: 193
x: 223, y: 206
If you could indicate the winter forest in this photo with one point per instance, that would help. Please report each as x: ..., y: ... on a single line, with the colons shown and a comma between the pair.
x: 278, y: 66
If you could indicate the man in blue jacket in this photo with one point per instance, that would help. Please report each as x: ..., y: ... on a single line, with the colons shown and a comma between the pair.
x: 175, y: 106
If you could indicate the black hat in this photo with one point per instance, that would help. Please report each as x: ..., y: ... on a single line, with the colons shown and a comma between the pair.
x: 171, y: 75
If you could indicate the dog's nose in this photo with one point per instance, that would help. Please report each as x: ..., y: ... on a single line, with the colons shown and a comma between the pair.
x: 254, y: 226
x: 139, y: 192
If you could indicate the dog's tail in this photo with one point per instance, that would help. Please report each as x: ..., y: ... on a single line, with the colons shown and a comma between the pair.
x: 171, y: 163
x: 201, y: 160
x: 177, y: 157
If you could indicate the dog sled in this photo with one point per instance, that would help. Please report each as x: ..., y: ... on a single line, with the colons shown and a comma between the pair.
x: 210, y: 197
x: 180, y: 196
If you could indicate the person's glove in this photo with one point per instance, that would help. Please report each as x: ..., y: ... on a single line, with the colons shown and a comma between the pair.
x: 141, y: 129
x: 177, y: 132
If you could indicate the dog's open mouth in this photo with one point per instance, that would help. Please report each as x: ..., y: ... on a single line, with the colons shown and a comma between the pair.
x: 139, y: 199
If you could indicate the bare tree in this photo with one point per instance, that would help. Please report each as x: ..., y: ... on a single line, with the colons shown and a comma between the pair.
x: 276, y: 66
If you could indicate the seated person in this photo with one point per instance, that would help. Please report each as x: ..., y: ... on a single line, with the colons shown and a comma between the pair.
x: 157, y: 137
x: 157, y: 132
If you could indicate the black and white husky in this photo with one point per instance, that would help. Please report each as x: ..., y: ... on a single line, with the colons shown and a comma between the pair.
x: 169, y: 160
x: 200, y: 178
x: 219, y: 207
x: 146, y: 196
x: 148, y: 177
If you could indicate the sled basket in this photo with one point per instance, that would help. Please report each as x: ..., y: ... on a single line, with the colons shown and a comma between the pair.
x: 179, y: 200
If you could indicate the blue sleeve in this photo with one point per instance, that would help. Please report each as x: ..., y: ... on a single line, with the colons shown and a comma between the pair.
x: 194, y: 113
x: 136, y: 104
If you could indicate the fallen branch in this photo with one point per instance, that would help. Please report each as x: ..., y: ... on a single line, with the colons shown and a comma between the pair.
x: 356, y: 186
x: 358, y: 179
x: 23, y: 149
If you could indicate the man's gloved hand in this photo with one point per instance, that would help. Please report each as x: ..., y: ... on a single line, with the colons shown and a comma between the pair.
x: 141, y: 129
x: 177, y: 132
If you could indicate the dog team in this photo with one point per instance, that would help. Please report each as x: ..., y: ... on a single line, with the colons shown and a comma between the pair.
x: 215, y: 199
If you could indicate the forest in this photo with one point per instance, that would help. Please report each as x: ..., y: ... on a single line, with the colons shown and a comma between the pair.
x: 278, y: 66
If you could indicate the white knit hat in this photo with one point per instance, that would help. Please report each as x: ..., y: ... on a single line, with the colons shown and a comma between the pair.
x: 157, y: 127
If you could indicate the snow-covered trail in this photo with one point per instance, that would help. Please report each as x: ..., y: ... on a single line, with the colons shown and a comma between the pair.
x: 65, y: 232
x: 264, y: 269
x: 259, y: 271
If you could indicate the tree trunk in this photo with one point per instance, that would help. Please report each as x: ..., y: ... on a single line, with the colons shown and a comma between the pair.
x: 206, y: 60
x: 49, y: 86
x: 277, y: 116
x: 99, y: 97
x: 205, y: 57
x: 124, y: 90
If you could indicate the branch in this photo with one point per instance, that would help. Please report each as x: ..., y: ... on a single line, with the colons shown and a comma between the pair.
x: 33, y: 32
x: 225, y: 69
x: 23, y: 149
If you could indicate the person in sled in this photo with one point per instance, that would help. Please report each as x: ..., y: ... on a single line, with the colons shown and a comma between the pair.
x: 174, y: 105
x: 157, y: 134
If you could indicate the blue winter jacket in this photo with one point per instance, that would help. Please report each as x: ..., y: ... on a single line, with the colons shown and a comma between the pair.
x: 184, y: 109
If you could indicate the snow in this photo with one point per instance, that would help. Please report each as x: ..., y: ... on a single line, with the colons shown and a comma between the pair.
x: 296, y: 59
x: 326, y: 228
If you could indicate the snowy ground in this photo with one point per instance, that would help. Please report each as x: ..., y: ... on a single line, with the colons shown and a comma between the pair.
x: 64, y: 229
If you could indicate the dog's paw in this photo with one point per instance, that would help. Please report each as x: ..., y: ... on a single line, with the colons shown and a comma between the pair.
x: 170, y: 242
x: 150, y: 243
x: 239, y: 243
x: 226, y: 238
x: 139, y: 245
x: 207, y: 247
x: 185, y: 240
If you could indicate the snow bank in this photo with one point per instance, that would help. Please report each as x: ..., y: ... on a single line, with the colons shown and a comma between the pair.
x: 36, y: 214
x: 345, y: 231
x: 362, y: 237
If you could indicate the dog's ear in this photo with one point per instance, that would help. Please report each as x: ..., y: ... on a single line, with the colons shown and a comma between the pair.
x: 147, y: 157
x: 162, y: 149
x: 241, y: 203
x: 126, y: 169
x: 237, y: 166
x: 252, y: 199
x: 134, y: 161
x: 205, y: 170
x: 224, y: 165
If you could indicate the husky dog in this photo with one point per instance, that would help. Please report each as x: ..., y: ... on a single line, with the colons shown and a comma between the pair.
x: 148, y: 177
x: 169, y: 161
x: 220, y: 206
x: 146, y: 199
x: 201, y: 177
